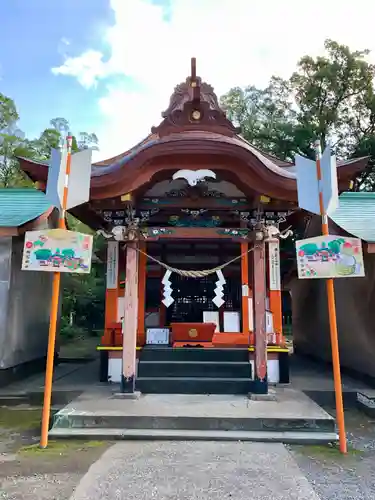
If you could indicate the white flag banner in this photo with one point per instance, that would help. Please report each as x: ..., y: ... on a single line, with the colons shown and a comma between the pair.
x: 79, y: 178
x: 308, y: 185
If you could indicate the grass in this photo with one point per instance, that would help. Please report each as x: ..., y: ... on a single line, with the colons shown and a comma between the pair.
x: 61, y: 447
x: 328, y: 451
x: 20, y: 420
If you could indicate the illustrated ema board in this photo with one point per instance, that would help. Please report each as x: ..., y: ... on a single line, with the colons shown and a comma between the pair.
x: 57, y: 250
x: 330, y: 257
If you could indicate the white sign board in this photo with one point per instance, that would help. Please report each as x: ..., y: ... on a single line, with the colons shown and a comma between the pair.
x: 157, y: 336
x: 232, y: 322
x: 112, y: 264
x: 308, y: 186
x: 274, y: 265
x: 79, y: 178
x: 57, y: 250
x: 330, y: 257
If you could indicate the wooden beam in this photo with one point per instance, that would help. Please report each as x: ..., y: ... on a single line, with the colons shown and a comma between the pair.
x: 234, y: 234
x: 131, y: 323
x: 174, y: 202
x: 259, y: 300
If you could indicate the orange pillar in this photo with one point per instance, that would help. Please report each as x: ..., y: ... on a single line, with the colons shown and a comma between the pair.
x: 245, y: 289
x: 275, y: 289
x: 112, y: 291
x: 142, y: 275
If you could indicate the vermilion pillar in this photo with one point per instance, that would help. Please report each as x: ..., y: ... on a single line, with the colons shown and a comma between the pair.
x: 130, y: 320
x: 259, y: 301
x: 112, y: 290
x: 275, y: 288
x: 245, y: 288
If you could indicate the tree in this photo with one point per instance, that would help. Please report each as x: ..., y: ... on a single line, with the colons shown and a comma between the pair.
x: 84, y: 294
x: 332, y: 94
x: 8, y: 112
x: 330, y: 98
x: 12, y: 140
x: 87, y: 141
x: 12, y: 145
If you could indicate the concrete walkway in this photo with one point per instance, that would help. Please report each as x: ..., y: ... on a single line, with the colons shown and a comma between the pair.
x: 195, y: 471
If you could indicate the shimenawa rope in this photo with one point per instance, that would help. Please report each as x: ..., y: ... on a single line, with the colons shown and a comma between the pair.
x: 195, y: 274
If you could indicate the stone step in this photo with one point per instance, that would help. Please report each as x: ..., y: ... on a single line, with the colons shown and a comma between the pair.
x: 366, y: 401
x: 108, y: 420
x: 35, y: 398
x: 194, y: 385
x: 287, y: 437
x: 193, y: 354
x: 211, y: 369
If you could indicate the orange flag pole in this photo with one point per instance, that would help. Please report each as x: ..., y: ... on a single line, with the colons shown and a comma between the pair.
x: 53, y: 314
x: 332, y: 318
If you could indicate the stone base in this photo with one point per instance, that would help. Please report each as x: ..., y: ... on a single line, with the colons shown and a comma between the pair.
x: 126, y: 395
x: 270, y: 396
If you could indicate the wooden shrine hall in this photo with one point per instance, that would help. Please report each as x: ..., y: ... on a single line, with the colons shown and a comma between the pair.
x: 194, y: 218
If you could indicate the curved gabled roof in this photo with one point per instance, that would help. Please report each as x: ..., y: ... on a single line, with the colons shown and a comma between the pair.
x: 194, y: 131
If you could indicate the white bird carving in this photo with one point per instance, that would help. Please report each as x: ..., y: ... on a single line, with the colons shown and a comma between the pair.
x: 194, y: 176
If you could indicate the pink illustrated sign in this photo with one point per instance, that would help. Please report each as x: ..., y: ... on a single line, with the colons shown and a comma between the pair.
x: 58, y: 250
x: 330, y: 257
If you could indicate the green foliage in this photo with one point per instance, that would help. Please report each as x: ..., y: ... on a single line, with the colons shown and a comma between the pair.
x: 8, y: 112
x: 330, y: 98
x: 83, y: 295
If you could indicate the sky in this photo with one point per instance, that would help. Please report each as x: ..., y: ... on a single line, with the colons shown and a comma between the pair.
x: 110, y: 66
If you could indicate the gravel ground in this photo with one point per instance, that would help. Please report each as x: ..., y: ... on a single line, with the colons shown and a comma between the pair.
x: 37, y: 475
x: 171, y: 470
x: 28, y: 473
x: 31, y: 474
x: 335, y: 476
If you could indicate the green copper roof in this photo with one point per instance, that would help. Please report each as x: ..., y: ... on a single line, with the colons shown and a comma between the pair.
x: 19, y: 206
x: 356, y: 215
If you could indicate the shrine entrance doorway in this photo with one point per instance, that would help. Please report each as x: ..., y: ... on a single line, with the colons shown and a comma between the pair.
x: 194, y: 296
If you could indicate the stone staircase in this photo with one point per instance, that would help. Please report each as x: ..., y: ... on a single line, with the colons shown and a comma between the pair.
x: 194, y: 370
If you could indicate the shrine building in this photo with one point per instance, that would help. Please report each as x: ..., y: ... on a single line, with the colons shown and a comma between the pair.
x: 199, y: 226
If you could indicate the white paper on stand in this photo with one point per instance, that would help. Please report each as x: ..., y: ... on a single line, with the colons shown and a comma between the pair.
x: 232, y: 322
x: 212, y: 317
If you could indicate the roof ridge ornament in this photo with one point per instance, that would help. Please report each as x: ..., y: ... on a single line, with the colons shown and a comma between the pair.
x: 194, y: 106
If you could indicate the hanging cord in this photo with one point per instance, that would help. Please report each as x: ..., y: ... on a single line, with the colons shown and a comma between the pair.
x: 195, y: 274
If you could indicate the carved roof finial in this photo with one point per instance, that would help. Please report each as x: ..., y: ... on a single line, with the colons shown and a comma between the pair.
x: 194, y: 105
x: 195, y: 82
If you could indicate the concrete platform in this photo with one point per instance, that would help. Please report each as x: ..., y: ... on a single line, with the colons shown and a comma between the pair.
x: 290, y: 417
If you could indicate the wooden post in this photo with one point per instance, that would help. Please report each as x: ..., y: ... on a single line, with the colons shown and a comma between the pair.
x: 131, y: 321
x: 142, y: 271
x: 275, y: 288
x: 46, y: 412
x: 259, y: 301
x: 245, y: 288
x: 332, y: 317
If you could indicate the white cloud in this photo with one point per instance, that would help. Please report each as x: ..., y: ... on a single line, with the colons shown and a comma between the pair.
x: 235, y: 42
